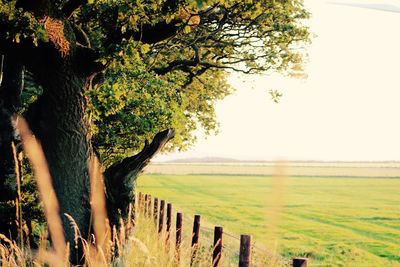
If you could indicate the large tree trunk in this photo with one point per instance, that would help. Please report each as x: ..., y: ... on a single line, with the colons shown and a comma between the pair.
x: 58, y: 121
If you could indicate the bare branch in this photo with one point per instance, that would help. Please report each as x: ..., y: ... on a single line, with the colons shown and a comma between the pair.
x: 148, y: 34
x: 71, y: 6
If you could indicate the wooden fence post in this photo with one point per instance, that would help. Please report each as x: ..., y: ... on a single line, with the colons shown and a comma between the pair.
x: 168, y: 221
x: 149, y: 206
x: 195, y: 238
x: 245, y: 251
x: 131, y: 216
x: 217, y: 250
x: 300, y: 262
x: 140, y: 202
x: 135, y: 200
x: 134, y: 208
x: 161, y: 217
x: 178, y: 236
x: 155, y: 210
x: 146, y: 196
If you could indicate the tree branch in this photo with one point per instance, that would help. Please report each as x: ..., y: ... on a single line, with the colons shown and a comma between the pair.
x: 183, y: 65
x: 87, y: 61
x: 71, y: 6
x: 148, y: 34
x: 119, y: 178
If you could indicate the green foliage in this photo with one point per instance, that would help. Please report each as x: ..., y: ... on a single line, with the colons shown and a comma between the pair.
x: 32, y: 213
x: 30, y: 92
x: 25, y: 26
x: 32, y: 210
x: 132, y: 105
x: 275, y: 95
x: 174, y: 81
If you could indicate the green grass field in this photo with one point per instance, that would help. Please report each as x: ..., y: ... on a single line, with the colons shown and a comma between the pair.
x: 333, y: 221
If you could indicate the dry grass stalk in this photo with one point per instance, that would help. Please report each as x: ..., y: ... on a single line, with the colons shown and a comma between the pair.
x: 18, y: 210
x: 51, y: 258
x: 122, y: 232
x: 275, y: 205
x: 11, y: 254
x: 98, y: 203
x: 74, y: 225
x: 129, y: 222
x: 37, y: 159
x: 93, y: 255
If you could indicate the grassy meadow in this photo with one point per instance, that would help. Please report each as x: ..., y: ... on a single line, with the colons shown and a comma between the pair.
x: 333, y: 221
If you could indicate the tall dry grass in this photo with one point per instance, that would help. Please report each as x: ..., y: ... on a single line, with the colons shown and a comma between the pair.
x: 58, y: 254
x: 136, y: 246
x: 97, y: 247
x: 146, y: 247
x: 101, y: 226
x: 137, y: 242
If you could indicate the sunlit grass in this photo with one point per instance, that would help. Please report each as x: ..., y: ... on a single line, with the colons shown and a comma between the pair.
x: 334, y: 221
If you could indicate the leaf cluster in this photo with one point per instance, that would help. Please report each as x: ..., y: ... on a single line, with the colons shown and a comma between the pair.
x: 133, y: 104
x: 24, y: 24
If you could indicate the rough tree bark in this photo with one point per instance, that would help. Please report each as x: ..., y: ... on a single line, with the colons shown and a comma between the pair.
x: 57, y: 120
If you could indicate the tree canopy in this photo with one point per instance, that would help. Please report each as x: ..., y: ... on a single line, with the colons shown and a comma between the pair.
x: 165, y: 63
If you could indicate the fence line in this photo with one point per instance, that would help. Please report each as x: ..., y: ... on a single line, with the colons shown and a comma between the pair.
x: 144, y: 204
x: 253, y: 246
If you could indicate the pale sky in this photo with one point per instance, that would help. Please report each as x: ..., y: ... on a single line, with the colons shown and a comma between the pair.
x: 347, y: 109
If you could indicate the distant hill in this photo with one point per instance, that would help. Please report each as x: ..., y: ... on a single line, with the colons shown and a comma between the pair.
x: 220, y: 160
x: 229, y: 166
x: 204, y: 160
x: 233, y: 160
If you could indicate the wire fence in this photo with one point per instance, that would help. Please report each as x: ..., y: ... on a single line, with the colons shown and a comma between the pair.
x: 223, y: 248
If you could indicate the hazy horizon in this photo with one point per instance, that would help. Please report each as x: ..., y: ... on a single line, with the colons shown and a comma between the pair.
x: 233, y: 160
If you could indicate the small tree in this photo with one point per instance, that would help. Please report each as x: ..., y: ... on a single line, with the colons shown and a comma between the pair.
x: 105, y: 76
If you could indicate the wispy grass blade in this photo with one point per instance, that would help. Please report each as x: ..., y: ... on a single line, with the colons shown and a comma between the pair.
x: 41, y: 171
x: 101, y: 224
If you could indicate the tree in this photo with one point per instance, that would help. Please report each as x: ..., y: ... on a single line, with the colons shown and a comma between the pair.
x: 102, y: 77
